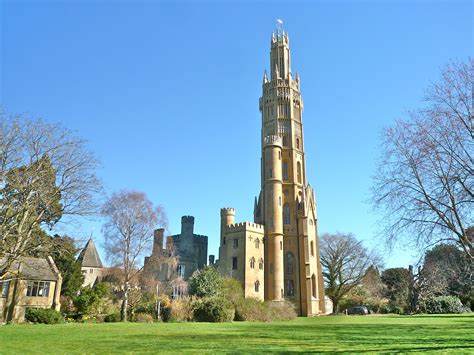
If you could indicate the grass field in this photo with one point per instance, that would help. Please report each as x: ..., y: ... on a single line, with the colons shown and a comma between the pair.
x: 442, y: 333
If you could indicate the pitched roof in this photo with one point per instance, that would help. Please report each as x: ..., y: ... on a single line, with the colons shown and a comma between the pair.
x: 89, y: 257
x: 35, y: 268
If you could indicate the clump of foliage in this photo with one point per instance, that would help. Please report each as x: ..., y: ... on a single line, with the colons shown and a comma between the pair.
x: 254, y: 310
x: 90, y: 297
x: 143, y: 318
x: 43, y: 315
x: 112, y: 318
x: 443, y: 305
x: 213, y: 309
x: 205, y: 283
x: 182, y: 310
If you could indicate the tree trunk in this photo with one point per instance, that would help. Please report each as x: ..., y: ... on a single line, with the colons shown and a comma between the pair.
x: 123, y: 313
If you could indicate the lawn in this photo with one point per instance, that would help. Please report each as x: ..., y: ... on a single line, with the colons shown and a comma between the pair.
x: 443, y: 333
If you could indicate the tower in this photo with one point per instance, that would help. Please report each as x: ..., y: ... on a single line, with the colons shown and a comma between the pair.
x: 286, y: 205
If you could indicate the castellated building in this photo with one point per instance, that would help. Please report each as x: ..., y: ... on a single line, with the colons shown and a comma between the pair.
x: 280, y: 249
x: 191, y: 250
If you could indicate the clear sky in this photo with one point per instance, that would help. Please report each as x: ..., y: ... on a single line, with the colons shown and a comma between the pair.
x: 167, y: 93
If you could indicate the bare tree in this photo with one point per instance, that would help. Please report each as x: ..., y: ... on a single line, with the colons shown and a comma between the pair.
x: 128, y: 231
x: 46, y: 174
x: 345, y: 262
x: 424, y: 184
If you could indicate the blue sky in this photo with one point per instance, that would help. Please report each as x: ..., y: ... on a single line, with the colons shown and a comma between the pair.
x: 167, y: 93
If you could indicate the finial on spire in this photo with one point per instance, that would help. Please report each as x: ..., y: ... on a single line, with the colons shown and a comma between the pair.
x: 265, y: 77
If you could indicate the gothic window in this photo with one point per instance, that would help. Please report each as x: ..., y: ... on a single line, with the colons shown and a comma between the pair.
x: 279, y: 200
x: 298, y: 172
x: 181, y: 270
x: 252, y: 263
x: 257, y: 243
x: 285, y: 170
x: 289, y: 263
x: 290, y: 288
x: 281, y: 245
x: 313, y: 286
x: 297, y: 143
x: 223, y: 241
x: 286, y: 214
x: 234, y: 263
x: 279, y: 155
x: 260, y: 264
x: 311, y: 248
x: 285, y: 143
x: 270, y: 174
x: 257, y: 286
x: 236, y: 243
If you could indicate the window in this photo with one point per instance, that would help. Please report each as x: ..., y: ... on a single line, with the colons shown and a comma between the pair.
x: 257, y: 286
x: 285, y: 143
x: 286, y: 214
x: 298, y: 172
x: 260, y: 264
x: 290, y: 288
x: 257, y: 243
x: 311, y: 248
x: 313, y: 286
x: 4, y: 287
x: 236, y: 243
x: 252, y: 263
x: 297, y: 143
x: 270, y: 173
x: 234, y: 263
x: 38, y: 289
x: 181, y: 270
x: 279, y: 201
x: 279, y: 155
x: 281, y: 245
x: 223, y: 242
x: 289, y: 263
x: 285, y: 171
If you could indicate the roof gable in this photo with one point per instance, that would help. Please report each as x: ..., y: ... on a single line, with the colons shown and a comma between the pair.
x: 89, y: 257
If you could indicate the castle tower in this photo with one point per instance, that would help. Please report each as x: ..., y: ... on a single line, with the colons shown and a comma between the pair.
x: 286, y: 204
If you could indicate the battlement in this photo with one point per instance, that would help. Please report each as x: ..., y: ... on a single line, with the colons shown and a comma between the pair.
x: 187, y: 219
x: 280, y: 38
x: 245, y: 226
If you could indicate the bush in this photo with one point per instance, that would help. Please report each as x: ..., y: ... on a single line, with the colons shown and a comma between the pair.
x: 205, y: 282
x: 443, y: 304
x: 254, y: 310
x: 144, y: 318
x: 232, y: 291
x: 112, y: 318
x: 43, y: 315
x: 213, y: 309
x: 180, y: 310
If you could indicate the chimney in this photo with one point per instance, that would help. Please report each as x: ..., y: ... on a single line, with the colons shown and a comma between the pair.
x: 211, y: 259
x: 158, y: 241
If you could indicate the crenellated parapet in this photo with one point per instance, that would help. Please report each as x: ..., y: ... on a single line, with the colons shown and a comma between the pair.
x: 249, y: 226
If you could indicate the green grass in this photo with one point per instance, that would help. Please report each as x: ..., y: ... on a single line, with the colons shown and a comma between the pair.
x: 442, y: 333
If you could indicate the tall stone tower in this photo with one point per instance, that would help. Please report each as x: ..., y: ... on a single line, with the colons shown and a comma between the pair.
x: 286, y: 205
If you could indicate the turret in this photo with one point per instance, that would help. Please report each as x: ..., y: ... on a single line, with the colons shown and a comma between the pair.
x: 187, y: 233
x: 158, y: 241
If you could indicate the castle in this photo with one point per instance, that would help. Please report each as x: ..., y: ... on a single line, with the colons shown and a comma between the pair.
x: 277, y: 256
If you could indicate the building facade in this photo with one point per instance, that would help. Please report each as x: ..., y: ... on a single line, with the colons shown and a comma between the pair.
x: 174, y: 266
x: 29, y: 283
x: 285, y: 211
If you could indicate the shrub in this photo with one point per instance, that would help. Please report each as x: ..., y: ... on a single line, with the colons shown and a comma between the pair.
x: 43, y: 315
x: 213, y: 309
x: 112, y: 318
x: 180, y: 310
x: 144, y: 318
x: 252, y: 309
x: 205, y: 282
x: 443, y: 304
x: 281, y: 310
x: 232, y: 291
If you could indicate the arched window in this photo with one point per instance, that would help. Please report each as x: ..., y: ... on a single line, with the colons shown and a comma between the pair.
x: 290, y: 287
x: 257, y: 243
x: 298, y: 172
x: 279, y: 155
x: 311, y: 248
x: 252, y: 263
x: 285, y: 170
x: 281, y: 245
x: 313, y: 286
x: 289, y: 263
x: 285, y: 143
x: 260, y: 264
x: 286, y: 214
x: 257, y: 286
x: 297, y: 143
